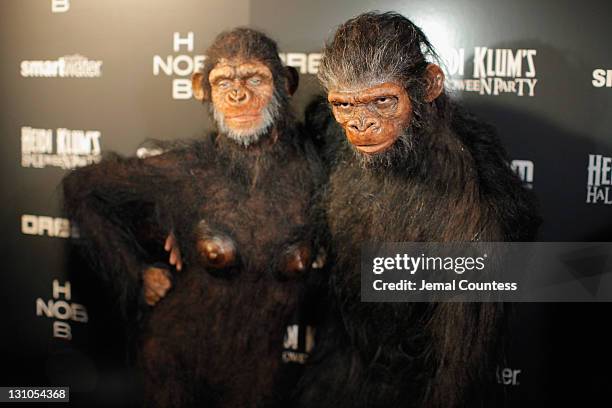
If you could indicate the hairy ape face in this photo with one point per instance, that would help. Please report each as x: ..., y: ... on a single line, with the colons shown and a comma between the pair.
x: 243, y: 101
x: 374, y: 117
x: 378, y: 117
x: 246, y: 85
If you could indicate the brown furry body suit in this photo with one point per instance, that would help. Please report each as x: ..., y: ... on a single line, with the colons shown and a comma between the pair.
x: 457, y: 186
x: 216, y: 339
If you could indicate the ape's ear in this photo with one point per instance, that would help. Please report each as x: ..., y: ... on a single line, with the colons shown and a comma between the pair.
x: 196, y: 85
x: 435, y: 82
x: 293, y: 80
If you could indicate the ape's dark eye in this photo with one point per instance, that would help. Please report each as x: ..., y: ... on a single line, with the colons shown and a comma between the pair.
x: 383, y: 101
x: 342, y: 105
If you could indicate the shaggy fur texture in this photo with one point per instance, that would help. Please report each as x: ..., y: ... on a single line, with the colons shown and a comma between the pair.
x: 216, y: 339
x: 453, y: 184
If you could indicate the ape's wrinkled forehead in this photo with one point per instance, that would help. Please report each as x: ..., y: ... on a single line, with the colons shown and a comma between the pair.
x: 373, y: 48
x: 245, y: 44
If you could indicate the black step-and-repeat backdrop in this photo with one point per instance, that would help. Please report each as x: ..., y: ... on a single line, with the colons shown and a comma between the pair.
x: 81, y: 77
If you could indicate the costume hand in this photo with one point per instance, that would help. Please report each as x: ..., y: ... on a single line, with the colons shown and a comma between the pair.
x: 156, y: 282
x: 171, y: 245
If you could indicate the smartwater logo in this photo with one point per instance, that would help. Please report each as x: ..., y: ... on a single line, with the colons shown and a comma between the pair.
x: 495, y: 71
x: 508, y: 376
x: 69, y: 66
x: 602, y: 78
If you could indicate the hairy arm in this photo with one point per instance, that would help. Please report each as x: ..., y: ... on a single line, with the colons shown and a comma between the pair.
x: 119, y: 207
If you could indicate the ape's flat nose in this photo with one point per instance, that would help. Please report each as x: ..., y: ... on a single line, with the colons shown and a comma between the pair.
x: 237, y: 96
x: 361, y: 124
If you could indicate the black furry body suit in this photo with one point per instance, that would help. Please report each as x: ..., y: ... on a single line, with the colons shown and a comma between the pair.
x: 216, y: 338
x: 412, y: 354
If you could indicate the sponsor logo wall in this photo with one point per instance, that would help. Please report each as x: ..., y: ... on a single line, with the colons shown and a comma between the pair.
x: 602, y: 78
x: 63, y: 148
x: 73, y: 90
x: 69, y: 66
x: 600, y: 179
x: 496, y: 71
x: 179, y: 66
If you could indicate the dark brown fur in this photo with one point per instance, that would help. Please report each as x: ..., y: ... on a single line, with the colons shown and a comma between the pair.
x: 216, y: 339
x: 454, y: 184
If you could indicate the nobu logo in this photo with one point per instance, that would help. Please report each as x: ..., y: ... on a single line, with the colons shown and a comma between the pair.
x: 62, y: 310
x: 182, y: 65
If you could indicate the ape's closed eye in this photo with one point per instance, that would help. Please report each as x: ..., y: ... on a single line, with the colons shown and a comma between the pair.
x: 224, y: 84
x: 254, y: 81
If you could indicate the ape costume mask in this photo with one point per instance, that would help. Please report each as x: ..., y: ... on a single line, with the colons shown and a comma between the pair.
x: 239, y: 203
x: 406, y: 164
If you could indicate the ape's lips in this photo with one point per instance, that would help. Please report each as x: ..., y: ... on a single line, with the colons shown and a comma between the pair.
x: 372, y: 148
x: 244, y: 118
